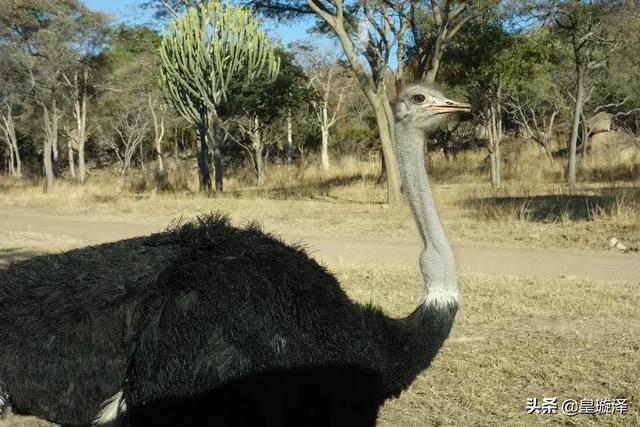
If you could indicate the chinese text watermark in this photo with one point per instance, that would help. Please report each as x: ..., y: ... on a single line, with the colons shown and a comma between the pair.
x: 573, y: 407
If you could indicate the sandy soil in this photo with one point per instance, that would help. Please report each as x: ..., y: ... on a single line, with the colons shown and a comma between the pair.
x: 603, y: 266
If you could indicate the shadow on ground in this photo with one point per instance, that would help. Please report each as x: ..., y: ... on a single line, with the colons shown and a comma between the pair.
x: 552, y: 207
x: 310, y: 190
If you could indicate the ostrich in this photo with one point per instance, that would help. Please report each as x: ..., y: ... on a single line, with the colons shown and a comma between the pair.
x: 207, y: 323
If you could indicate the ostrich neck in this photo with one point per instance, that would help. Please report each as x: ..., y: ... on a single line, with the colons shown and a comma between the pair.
x: 436, y: 261
x: 410, y: 344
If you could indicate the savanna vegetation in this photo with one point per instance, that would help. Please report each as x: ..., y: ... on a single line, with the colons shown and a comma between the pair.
x: 143, y: 123
x: 554, y: 85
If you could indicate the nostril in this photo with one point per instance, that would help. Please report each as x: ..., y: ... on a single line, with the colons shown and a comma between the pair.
x: 449, y: 103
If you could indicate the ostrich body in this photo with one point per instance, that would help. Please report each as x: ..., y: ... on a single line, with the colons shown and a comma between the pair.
x: 210, y: 324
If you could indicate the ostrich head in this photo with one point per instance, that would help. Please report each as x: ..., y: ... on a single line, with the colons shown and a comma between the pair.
x: 425, y: 108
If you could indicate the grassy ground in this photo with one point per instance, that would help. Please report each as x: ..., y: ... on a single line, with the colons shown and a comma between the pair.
x: 514, y: 338
x: 517, y: 338
x: 347, y: 203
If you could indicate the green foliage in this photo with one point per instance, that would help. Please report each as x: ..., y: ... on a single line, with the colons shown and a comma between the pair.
x: 208, y: 48
x: 268, y: 98
x: 40, y: 42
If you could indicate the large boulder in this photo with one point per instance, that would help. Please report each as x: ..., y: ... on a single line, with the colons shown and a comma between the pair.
x: 600, y: 122
x: 616, y: 146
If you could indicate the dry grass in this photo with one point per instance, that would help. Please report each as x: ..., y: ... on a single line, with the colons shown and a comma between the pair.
x: 514, y: 338
x: 346, y: 202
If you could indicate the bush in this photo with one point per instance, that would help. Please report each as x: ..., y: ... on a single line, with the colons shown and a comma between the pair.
x: 174, y: 181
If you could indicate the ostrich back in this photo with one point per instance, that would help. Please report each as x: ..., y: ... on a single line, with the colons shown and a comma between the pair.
x: 62, y: 347
x: 177, y: 313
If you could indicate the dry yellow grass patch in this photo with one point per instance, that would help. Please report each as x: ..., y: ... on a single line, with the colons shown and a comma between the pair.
x: 346, y: 202
x: 516, y: 338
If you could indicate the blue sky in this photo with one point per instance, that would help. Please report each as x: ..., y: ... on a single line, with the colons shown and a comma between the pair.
x: 128, y: 11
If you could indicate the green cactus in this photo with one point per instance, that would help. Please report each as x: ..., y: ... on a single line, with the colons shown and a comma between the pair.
x: 207, y: 48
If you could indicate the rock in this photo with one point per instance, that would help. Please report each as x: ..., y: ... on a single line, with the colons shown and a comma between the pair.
x: 614, y: 243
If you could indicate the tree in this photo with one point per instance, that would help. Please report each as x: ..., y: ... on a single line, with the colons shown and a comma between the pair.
x: 371, y: 43
x: 327, y: 81
x: 258, y: 111
x: 481, y: 62
x: 434, y: 25
x: 370, y: 32
x: 581, y: 23
x: 129, y: 86
x: 534, y: 95
x: 158, y: 111
x: 208, y: 48
x: 131, y: 130
x: 46, y: 40
x: 8, y: 128
x: 91, y: 33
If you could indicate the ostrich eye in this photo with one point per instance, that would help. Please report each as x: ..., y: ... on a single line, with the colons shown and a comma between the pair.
x: 418, y: 99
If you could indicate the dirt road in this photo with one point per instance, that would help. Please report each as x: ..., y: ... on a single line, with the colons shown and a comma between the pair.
x: 600, y: 266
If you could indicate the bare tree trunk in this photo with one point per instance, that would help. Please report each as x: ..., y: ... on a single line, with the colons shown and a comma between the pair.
x: 215, y: 141
x: 584, y: 136
x: 16, y: 158
x: 175, y: 143
x: 494, y: 173
x: 289, y: 153
x: 158, y: 128
x: 56, y: 162
x: 48, y: 167
x: 498, y: 160
x: 434, y: 62
x: 10, y: 161
x: 70, y: 156
x: 494, y: 130
x: 80, y: 114
x: 324, y: 131
x: 8, y: 127
x: 72, y: 165
x: 498, y: 124
x: 386, y: 140
x: 324, y: 149
x: 217, y: 155
x: 257, y: 145
x: 50, y: 139
x: 203, y: 161
x: 140, y: 147
x: 577, y: 112
x: 373, y: 87
x: 546, y: 147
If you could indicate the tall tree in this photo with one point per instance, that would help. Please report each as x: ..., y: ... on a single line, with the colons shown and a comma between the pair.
x: 8, y: 128
x: 259, y: 110
x: 47, y: 40
x: 481, y: 61
x: 534, y: 97
x: 327, y: 78
x: 130, y: 90
x: 434, y: 24
x: 582, y: 23
x: 208, y: 48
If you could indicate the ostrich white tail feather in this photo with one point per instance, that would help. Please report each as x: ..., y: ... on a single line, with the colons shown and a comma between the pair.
x: 111, y: 411
x: 4, y: 401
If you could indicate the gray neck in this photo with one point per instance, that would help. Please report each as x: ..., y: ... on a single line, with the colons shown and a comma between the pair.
x: 409, y: 345
x: 436, y: 261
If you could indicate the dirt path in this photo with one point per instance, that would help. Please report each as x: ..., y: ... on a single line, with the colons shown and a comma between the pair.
x: 603, y: 266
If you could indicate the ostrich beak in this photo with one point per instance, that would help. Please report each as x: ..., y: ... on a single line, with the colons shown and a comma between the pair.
x: 448, y: 106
